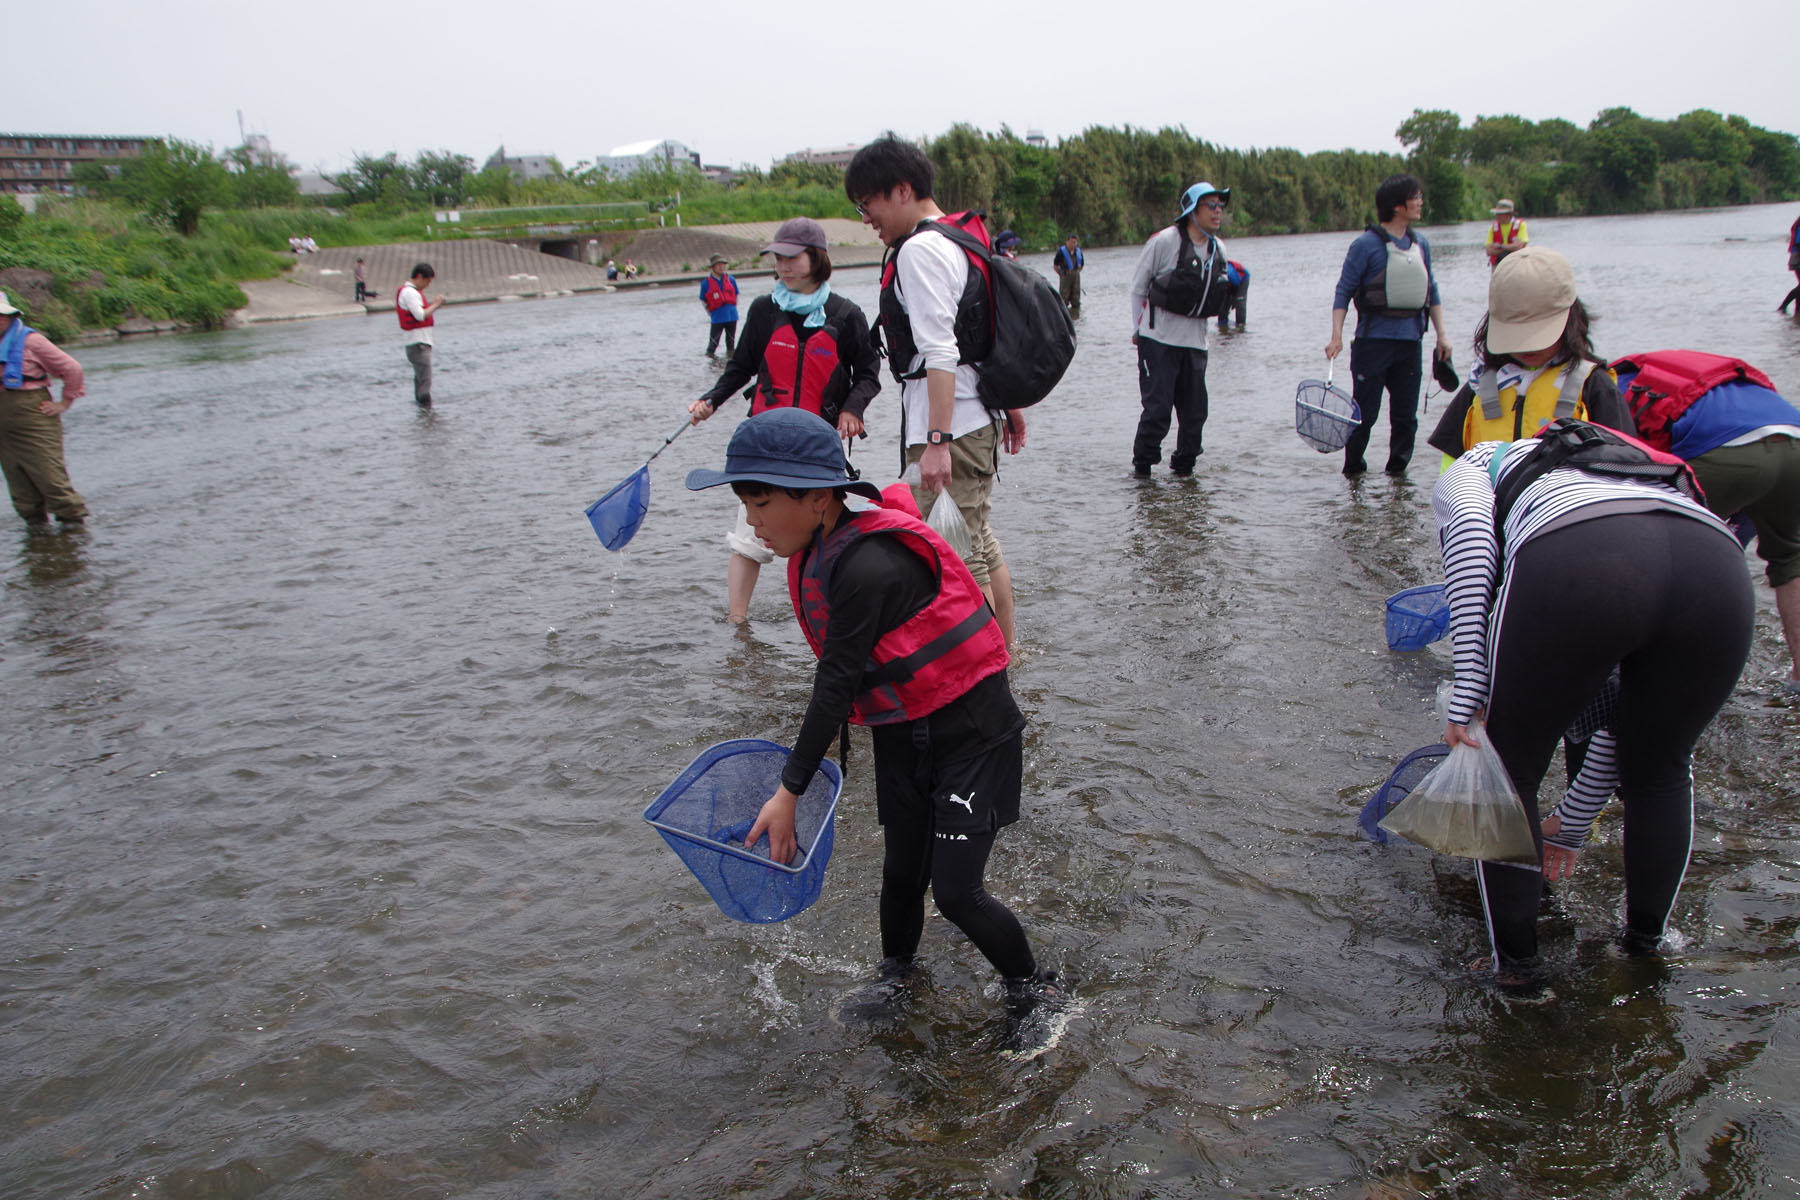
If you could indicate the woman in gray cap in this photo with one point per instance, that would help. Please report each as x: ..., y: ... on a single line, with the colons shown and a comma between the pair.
x: 806, y: 347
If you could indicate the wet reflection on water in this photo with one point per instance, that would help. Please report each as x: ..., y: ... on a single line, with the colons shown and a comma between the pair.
x: 325, y: 873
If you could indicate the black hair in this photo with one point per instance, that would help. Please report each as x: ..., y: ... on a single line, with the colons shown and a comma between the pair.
x: 1393, y: 193
x: 1575, y: 342
x: 885, y: 164
x: 422, y: 270
x: 756, y: 489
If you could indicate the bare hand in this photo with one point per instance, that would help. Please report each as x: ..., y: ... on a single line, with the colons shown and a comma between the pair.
x: 1012, y: 437
x: 1442, y: 348
x: 54, y: 408
x: 1458, y: 735
x: 1334, y: 347
x: 777, y: 820
x: 1559, y: 862
x: 849, y: 425
x: 934, y: 468
x: 700, y: 410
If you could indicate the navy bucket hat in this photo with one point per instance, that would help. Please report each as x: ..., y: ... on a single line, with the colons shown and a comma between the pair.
x: 784, y: 447
x: 1190, y: 199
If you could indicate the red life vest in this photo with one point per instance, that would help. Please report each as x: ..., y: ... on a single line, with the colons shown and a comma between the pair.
x: 407, y: 321
x: 934, y: 656
x: 796, y: 371
x: 1670, y: 381
x: 724, y: 291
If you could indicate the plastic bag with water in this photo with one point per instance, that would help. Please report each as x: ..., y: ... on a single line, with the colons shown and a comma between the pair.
x: 1467, y: 807
x: 945, y: 517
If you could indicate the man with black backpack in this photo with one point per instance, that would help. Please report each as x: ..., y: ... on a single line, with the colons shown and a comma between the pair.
x: 936, y: 325
x: 1179, y: 286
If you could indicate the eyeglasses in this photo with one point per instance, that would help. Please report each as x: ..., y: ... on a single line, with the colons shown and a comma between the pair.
x: 862, y: 210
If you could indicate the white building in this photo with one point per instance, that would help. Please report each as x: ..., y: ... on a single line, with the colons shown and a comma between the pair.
x: 629, y: 159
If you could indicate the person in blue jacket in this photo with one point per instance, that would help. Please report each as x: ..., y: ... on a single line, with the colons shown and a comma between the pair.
x: 1068, y: 263
x: 1238, y: 276
x: 719, y: 293
x: 1387, y: 271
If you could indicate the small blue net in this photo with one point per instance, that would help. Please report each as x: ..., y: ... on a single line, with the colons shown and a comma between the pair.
x: 1417, y: 617
x: 617, y: 515
x: 1324, y: 416
x: 1408, y: 775
x: 706, y: 812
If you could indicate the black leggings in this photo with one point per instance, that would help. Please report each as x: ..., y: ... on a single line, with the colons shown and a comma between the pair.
x: 1665, y: 598
x: 915, y: 859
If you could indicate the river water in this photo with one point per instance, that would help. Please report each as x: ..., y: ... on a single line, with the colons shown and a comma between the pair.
x: 324, y: 872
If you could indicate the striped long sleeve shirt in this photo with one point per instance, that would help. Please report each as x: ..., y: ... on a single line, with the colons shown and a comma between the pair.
x: 1463, y: 503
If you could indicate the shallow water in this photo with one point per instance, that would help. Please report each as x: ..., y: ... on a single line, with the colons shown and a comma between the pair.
x: 324, y: 872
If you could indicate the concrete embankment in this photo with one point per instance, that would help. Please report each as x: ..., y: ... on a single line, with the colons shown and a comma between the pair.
x: 476, y: 270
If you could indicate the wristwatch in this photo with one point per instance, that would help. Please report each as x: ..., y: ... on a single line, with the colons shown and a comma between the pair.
x: 936, y: 437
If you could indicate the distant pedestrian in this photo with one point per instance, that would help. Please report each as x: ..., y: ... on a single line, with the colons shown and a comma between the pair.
x: 1068, y: 263
x: 31, y: 441
x: 612, y: 269
x: 1179, y: 283
x: 1007, y: 243
x: 719, y: 293
x: 1506, y: 234
x: 1794, y: 266
x: 1388, y: 271
x: 416, y: 320
x: 631, y: 270
x: 362, y: 282
x: 1238, y: 276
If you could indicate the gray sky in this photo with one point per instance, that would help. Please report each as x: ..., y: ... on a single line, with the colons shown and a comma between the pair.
x: 746, y: 83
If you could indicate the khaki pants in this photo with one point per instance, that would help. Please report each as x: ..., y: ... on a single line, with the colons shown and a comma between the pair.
x: 973, y: 463
x: 31, y: 453
x: 419, y: 355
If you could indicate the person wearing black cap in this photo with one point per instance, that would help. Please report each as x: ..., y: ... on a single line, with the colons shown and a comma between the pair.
x: 1178, y: 287
x: 1387, y: 270
x: 806, y: 347
x: 873, y: 588
x: 719, y: 293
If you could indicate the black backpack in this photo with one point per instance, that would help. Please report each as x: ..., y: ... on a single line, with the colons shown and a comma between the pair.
x: 1034, y: 339
x: 1196, y: 287
x: 1568, y: 442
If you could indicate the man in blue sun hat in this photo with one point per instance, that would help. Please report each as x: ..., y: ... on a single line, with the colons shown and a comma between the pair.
x: 1180, y: 284
x: 908, y: 646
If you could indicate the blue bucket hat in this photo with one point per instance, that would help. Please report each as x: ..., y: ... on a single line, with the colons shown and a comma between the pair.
x: 1190, y: 199
x: 784, y: 447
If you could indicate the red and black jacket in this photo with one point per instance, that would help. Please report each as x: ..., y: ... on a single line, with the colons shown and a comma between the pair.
x: 931, y: 658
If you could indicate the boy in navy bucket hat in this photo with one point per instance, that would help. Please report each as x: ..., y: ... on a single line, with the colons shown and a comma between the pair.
x: 908, y: 646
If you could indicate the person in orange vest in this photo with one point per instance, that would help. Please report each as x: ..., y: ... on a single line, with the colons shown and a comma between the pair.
x: 1506, y: 234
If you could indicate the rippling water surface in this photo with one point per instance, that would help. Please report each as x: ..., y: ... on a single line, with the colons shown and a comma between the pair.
x: 324, y: 872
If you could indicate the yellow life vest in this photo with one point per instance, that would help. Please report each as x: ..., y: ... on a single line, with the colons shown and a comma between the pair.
x: 1496, y: 415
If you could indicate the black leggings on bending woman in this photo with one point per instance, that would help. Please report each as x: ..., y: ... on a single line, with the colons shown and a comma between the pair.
x: 1667, y: 599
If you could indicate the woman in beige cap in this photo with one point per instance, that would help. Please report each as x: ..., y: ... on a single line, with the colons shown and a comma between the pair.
x: 1534, y: 360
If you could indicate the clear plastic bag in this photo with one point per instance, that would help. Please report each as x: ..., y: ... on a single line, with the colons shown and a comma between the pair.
x: 1467, y: 807
x: 947, y: 519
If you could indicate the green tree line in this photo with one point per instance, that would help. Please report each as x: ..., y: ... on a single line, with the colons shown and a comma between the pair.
x: 169, y: 234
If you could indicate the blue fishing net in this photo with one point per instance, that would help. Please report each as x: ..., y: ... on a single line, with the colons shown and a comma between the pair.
x: 706, y: 812
x: 617, y: 515
x: 1417, y: 617
x: 1407, y: 776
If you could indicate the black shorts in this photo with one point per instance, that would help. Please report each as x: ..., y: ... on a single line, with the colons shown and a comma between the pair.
x: 967, y: 794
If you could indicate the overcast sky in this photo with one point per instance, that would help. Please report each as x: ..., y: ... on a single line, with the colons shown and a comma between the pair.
x: 743, y: 83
